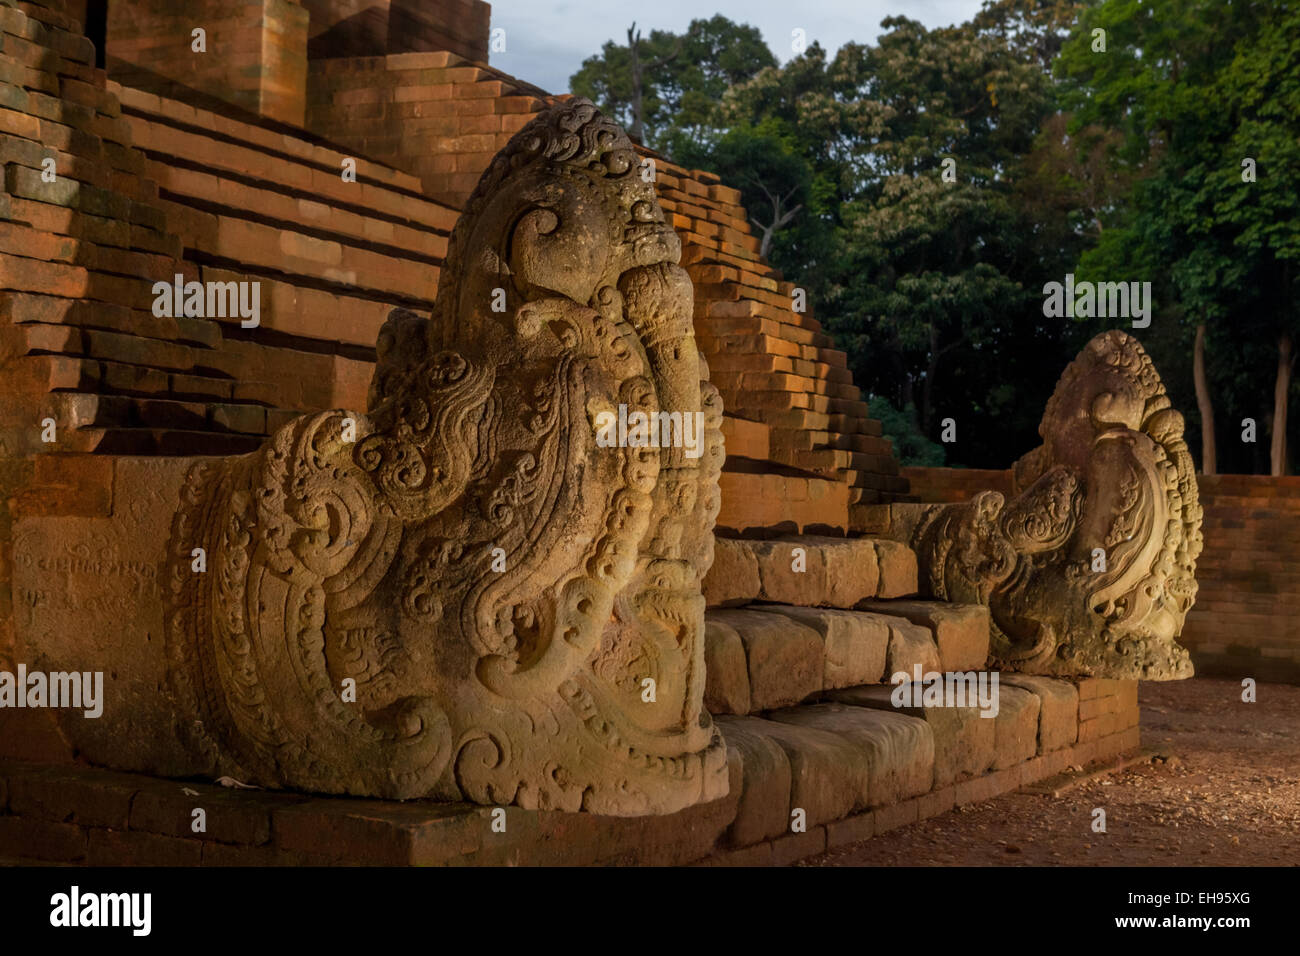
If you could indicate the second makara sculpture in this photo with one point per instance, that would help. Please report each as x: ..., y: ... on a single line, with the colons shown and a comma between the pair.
x: 1090, y: 568
x: 462, y: 594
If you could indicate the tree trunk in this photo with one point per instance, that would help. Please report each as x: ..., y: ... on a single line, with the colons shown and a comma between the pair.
x: 1281, y: 392
x: 927, y: 391
x: 1209, y: 453
x: 636, y: 131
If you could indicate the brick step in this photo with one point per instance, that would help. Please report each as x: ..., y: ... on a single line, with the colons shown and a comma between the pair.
x: 868, y: 444
x: 172, y: 442
x: 342, y: 268
x: 857, y: 752
x: 344, y: 225
x: 313, y: 313
x: 163, y: 137
x: 112, y: 346
x: 62, y: 220
x: 74, y: 373
x: 167, y: 110
x: 128, y: 412
x: 763, y: 656
x: 854, y: 424
x: 809, y: 570
x: 753, y: 502
x: 22, y: 308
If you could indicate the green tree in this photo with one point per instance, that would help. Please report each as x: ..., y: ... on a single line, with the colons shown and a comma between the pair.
x: 1197, y: 88
x: 667, y: 85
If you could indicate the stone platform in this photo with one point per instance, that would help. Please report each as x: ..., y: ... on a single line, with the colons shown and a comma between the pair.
x: 790, y: 757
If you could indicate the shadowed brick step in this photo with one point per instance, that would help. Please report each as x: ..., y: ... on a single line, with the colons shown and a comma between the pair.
x: 809, y: 571
x: 898, y: 750
x: 784, y: 659
x: 763, y: 657
x: 960, y: 630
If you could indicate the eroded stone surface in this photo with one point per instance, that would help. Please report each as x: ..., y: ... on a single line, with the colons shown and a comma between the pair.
x: 763, y: 812
x: 733, y: 577
x: 961, y: 631
x: 1017, y: 726
x: 785, y: 659
x: 1089, y: 569
x: 1058, y: 716
x: 726, y: 688
x: 910, y: 645
x: 856, y: 644
x: 964, y: 741
x: 461, y: 593
x: 899, y: 749
x: 830, y: 774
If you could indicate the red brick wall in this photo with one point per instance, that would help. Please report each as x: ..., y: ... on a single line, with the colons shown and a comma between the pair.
x: 1246, y: 622
x: 343, y: 28
x: 955, y: 484
x: 256, y: 53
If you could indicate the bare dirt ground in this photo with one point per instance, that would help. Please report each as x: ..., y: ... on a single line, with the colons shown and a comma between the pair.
x: 1228, y: 794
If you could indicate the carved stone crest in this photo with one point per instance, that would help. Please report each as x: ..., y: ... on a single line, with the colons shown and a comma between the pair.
x: 1089, y: 569
x: 474, y: 600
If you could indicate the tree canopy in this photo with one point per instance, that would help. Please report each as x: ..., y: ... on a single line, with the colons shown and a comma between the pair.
x: 924, y: 187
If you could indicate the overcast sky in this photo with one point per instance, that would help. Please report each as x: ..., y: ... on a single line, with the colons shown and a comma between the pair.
x: 547, y: 40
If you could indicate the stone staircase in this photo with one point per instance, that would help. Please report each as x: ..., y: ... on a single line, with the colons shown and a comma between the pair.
x: 801, y: 637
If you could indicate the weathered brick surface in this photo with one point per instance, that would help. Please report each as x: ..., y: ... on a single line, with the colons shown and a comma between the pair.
x: 785, y: 659
x: 1016, y: 726
x: 733, y: 577
x: 763, y: 812
x: 961, y: 631
x: 856, y: 644
x: 964, y: 742
x: 726, y: 669
x: 1058, y: 716
x: 899, y: 749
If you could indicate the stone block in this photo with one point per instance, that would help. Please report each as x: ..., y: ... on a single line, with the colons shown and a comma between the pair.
x: 794, y: 847
x: 733, y: 577
x: 961, y: 631
x: 1017, y: 726
x: 909, y: 645
x: 829, y: 774
x: 24, y: 838
x: 898, y: 572
x: 782, y: 583
x: 855, y: 644
x: 963, y: 740
x: 763, y: 811
x: 852, y: 829
x: 899, y: 750
x: 70, y: 795
x: 726, y: 688
x: 852, y: 570
x: 1058, y: 714
x: 784, y: 658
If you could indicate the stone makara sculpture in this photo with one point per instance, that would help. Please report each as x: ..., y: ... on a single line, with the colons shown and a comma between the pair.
x: 1089, y: 568
x: 459, y: 594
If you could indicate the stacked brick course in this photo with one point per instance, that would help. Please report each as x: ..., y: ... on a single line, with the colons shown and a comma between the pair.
x: 378, y: 27
x: 255, y: 57
x: 80, y: 815
x: 1246, y: 622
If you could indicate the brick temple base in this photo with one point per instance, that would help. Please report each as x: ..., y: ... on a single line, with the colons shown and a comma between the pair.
x: 99, y: 817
